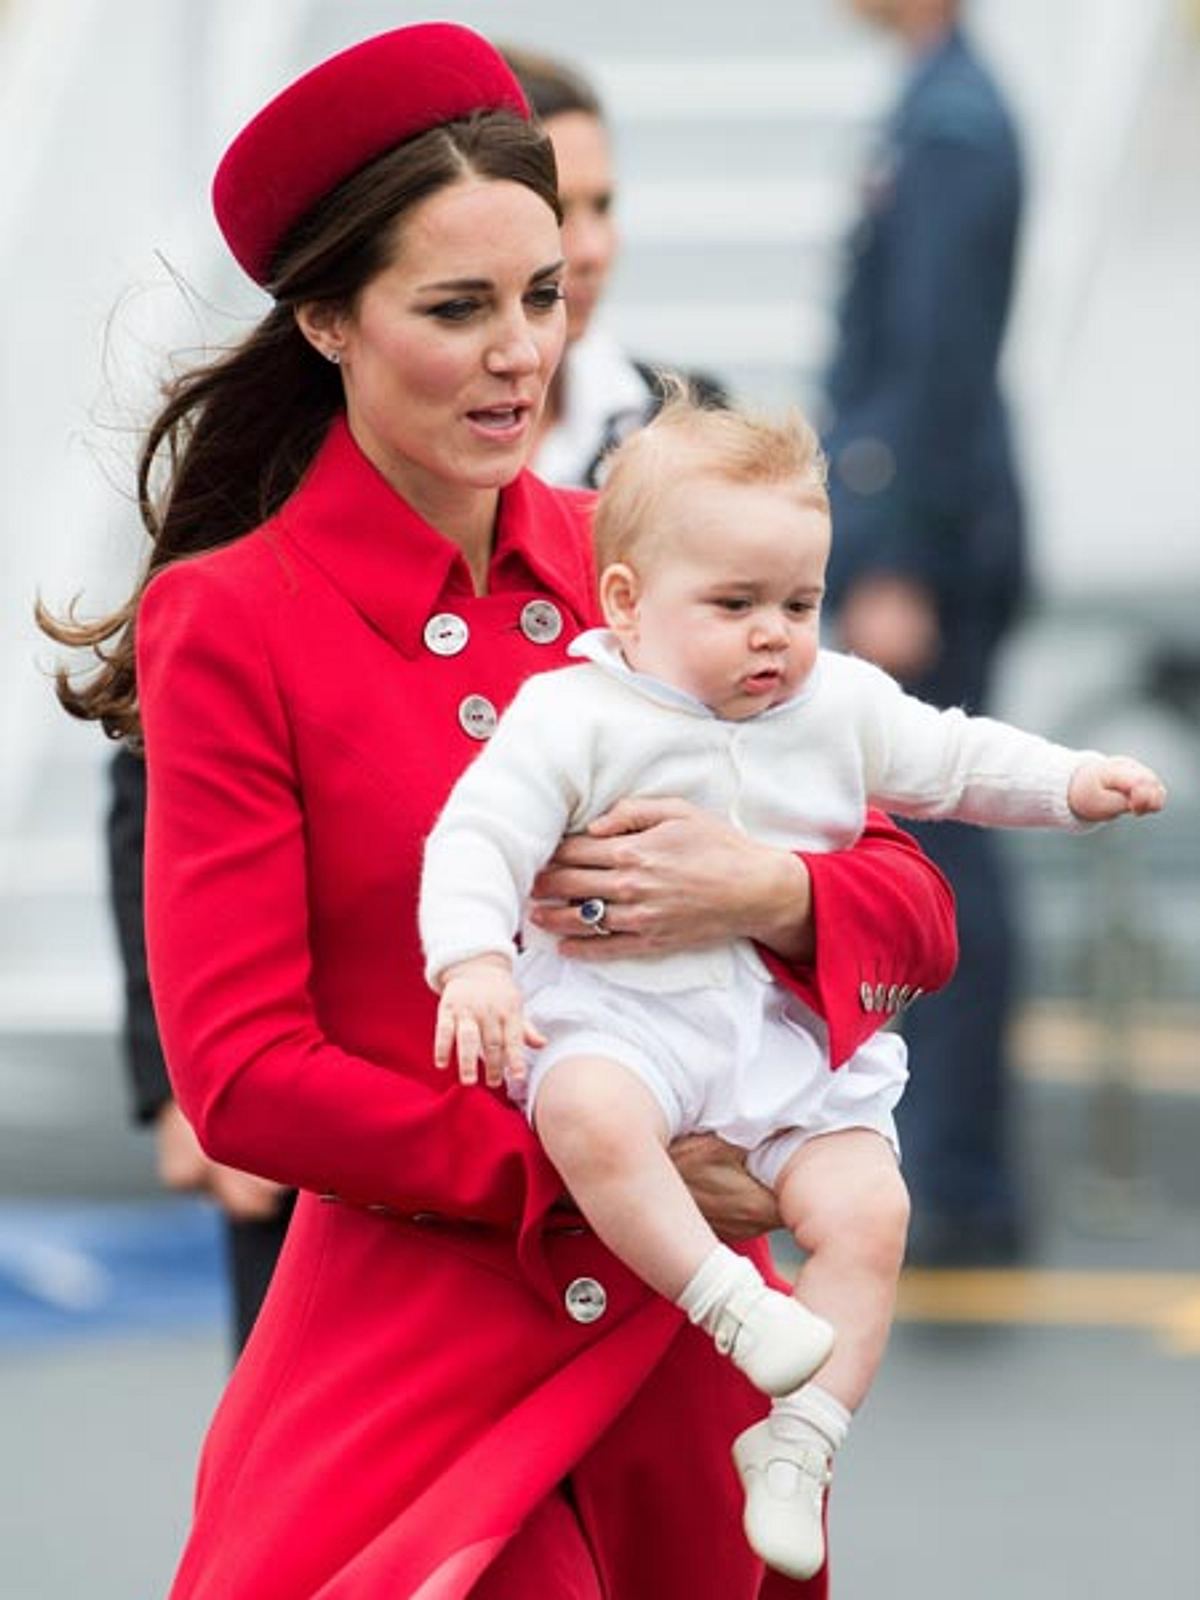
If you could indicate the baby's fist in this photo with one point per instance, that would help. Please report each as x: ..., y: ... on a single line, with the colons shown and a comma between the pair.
x: 1111, y: 786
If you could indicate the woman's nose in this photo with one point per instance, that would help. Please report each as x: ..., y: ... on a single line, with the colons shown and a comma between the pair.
x: 513, y: 350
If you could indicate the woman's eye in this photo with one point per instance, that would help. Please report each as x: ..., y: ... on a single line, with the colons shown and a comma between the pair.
x: 454, y: 310
x: 545, y: 297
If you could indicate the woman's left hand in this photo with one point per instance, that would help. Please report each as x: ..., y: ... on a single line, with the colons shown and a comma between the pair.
x: 672, y: 877
x: 736, y: 1205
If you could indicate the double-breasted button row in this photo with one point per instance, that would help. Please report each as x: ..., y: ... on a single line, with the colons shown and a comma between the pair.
x: 447, y: 634
x: 887, y: 997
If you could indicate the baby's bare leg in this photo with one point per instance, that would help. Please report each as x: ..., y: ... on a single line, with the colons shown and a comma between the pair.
x: 607, y: 1135
x: 846, y: 1204
x: 842, y: 1196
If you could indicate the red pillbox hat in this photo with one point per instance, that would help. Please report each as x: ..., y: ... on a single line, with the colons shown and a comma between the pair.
x: 344, y: 113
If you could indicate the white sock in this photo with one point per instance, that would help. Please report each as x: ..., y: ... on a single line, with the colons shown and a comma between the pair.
x: 811, y: 1415
x: 707, y: 1293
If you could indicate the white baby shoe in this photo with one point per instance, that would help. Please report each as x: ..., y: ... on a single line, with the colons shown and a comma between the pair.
x: 785, y: 1482
x: 772, y: 1338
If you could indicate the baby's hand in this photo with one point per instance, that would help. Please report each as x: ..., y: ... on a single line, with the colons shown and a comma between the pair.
x: 1113, y: 785
x: 481, y: 1017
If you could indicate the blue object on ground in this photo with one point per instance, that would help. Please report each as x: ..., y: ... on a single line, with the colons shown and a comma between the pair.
x: 70, y: 1269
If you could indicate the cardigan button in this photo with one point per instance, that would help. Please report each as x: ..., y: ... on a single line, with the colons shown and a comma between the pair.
x: 585, y: 1300
x: 541, y: 621
x: 866, y: 996
x: 446, y: 634
x: 477, y: 716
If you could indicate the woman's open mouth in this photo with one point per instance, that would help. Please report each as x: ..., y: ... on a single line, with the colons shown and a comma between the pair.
x: 503, y: 422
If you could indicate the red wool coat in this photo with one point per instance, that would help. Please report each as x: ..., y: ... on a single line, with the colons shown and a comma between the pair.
x: 416, y: 1382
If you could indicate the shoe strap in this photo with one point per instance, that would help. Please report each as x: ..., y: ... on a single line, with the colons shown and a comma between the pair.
x: 732, y: 1316
x: 806, y: 1458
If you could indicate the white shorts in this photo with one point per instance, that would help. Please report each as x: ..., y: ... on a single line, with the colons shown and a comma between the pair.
x: 749, y: 1062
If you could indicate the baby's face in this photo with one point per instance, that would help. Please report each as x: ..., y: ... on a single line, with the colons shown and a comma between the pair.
x: 727, y: 605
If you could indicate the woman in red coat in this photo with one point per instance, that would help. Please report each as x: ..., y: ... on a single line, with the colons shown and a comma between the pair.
x: 453, y: 1389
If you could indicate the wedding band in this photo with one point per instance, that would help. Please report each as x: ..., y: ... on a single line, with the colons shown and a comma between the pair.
x: 592, y: 914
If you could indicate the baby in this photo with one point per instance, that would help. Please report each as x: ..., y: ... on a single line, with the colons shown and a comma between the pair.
x: 712, y: 535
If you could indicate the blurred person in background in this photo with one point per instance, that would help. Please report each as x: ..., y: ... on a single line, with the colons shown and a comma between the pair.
x: 601, y: 393
x: 599, y: 396
x: 452, y: 1387
x: 928, y: 568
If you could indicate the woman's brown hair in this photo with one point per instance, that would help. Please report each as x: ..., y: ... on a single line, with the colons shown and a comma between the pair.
x: 234, y: 436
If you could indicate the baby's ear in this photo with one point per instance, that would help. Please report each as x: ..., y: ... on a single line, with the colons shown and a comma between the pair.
x: 619, y: 591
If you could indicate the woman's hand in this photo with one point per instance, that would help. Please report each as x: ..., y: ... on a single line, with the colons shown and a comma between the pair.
x: 892, y: 621
x: 735, y: 1204
x: 183, y: 1165
x: 673, y: 877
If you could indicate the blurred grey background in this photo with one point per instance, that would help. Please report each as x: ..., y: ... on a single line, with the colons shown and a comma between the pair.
x: 1034, y: 1433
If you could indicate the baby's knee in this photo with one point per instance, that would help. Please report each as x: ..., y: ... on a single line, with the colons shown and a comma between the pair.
x: 868, y: 1219
x: 577, y: 1123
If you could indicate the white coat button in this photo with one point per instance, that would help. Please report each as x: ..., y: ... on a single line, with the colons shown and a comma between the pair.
x: 446, y: 634
x: 541, y: 621
x: 585, y: 1300
x: 477, y: 716
x: 866, y: 996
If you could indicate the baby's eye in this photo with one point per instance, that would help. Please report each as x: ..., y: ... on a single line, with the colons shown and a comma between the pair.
x: 734, y: 604
x: 801, y: 608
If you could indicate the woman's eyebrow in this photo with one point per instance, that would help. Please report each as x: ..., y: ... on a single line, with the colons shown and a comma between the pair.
x: 478, y: 285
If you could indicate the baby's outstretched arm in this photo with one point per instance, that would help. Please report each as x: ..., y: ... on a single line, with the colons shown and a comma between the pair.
x: 1111, y: 786
x: 481, y: 1018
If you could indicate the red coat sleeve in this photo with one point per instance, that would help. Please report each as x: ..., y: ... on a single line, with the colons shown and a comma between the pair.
x: 884, y: 921
x: 231, y: 965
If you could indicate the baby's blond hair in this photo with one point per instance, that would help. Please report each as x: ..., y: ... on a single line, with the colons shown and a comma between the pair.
x: 687, y: 438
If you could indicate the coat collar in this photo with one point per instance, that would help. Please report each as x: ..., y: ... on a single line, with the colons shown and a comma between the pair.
x: 395, y: 568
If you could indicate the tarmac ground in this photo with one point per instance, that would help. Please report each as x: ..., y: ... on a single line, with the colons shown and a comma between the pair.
x: 1033, y: 1432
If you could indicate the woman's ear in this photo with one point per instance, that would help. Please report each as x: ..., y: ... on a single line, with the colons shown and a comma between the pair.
x: 619, y: 590
x: 323, y: 325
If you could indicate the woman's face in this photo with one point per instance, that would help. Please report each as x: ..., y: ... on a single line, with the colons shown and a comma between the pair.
x: 447, y: 354
x: 589, y: 231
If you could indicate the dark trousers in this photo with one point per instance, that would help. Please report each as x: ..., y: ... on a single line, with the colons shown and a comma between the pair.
x: 956, y: 1115
x: 252, y: 1249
